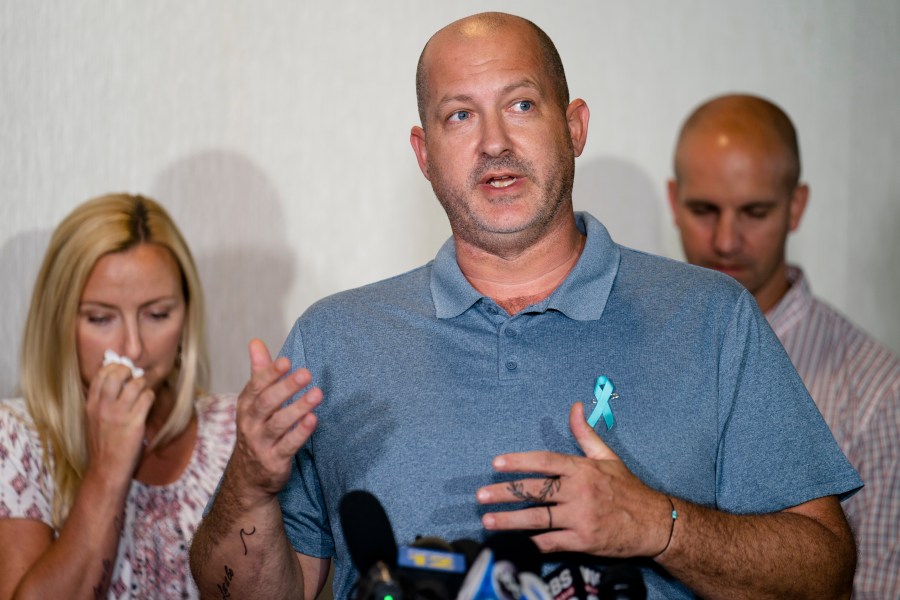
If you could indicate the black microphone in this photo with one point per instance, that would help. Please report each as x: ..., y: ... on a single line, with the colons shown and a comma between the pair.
x: 373, y: 550
x: 518, y: 548
x: 506, y: 569
x: 590, y: 577
x: 468, y: 548
x: 573, y: 581
x: 622, y: 582
x: 566, y: 582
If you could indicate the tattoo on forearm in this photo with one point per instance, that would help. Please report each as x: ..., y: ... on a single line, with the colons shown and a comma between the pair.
x: 105, y: 577
x: 551, y: 486
x: 226, y: 583
x: 243, y: 533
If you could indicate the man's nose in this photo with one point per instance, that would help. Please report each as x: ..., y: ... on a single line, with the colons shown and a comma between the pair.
x: 727, y: 235
x: 495, y: 140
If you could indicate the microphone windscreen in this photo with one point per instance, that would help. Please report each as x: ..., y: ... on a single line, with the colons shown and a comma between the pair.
x: 367, y: 530
x: 479, y: 582
x: 622, y: 582
x: 432, y: 543
x: 532, y: 587
x: 468, y: 548
x: 517, y: 548
x: 566, y: 583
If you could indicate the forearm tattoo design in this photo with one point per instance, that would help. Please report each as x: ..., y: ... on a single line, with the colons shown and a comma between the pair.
x: 105, y: 578
x: 548, y: 490
x: 243, y: 541
x: 223, y: 587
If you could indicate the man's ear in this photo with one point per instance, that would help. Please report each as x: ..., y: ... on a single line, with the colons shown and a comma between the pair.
x: 577, y: 117
x: 799, y: 199
x: 417, y: 141
x: 672, y: 188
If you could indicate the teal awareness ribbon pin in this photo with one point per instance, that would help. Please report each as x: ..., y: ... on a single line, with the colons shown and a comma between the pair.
x: 603, y: 393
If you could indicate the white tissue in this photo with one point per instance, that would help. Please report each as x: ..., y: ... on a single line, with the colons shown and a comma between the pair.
x: 111, y: 357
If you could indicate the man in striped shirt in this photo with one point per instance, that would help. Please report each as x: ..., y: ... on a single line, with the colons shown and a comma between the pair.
x: 736, y: 196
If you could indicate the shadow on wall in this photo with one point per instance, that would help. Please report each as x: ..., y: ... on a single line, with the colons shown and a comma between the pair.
x: 231, y: 215
x: 875, y: 281
x: 623, y: 198
x: 20, y: 260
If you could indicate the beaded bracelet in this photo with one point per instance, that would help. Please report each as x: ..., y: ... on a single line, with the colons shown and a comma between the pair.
x: 672, y: 529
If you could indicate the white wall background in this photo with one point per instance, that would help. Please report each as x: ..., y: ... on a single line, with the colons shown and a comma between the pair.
x: 276, y: 132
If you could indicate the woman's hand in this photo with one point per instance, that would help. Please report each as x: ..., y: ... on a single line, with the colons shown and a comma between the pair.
x: 117, y: 407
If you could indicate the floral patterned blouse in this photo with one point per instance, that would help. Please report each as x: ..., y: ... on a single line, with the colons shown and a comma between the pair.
x: 160, y: 521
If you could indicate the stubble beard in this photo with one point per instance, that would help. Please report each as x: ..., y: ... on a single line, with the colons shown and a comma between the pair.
x: 470, y: 227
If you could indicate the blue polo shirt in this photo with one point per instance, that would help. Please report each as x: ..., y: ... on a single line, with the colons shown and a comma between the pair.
x: 425, y: 380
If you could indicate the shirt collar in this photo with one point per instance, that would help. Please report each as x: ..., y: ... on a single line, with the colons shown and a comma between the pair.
x: 450, y: 290
x: 794, y: 305
x: 581, y: 296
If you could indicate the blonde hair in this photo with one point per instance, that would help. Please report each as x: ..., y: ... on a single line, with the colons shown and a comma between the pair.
x: 50, y: 377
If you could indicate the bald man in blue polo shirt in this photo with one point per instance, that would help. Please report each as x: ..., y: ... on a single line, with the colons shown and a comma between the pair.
x: 627, y: 406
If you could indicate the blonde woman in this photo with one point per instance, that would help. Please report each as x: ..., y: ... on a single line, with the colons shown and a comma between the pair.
x: 105, y: 469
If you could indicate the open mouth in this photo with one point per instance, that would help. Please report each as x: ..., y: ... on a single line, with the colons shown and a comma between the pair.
x: 501, y: 181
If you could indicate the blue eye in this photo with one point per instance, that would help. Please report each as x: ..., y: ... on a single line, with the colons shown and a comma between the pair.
x: 524, y: 105
x: 460, y: 115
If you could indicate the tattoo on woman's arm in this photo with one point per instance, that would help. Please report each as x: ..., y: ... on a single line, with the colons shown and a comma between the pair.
x: 105, y: 578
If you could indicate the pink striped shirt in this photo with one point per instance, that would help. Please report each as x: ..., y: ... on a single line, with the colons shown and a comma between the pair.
x: 855, y: 382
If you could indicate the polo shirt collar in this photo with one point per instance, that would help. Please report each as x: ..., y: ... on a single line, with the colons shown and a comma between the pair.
x: 582, y: 295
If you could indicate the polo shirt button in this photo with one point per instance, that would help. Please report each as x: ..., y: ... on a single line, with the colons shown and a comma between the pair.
x: 510, y: 332
x: 512, y: 365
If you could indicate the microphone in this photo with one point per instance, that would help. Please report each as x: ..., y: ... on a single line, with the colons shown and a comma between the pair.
x: 468, y: 548
x: 583, y: 582
x: 431, y: 569
x: 566, y: 582
x: 488, y: 579
x: 590, y: 578
x: 622, y: 582
x: 373, y: 550
x: 506, y: 569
